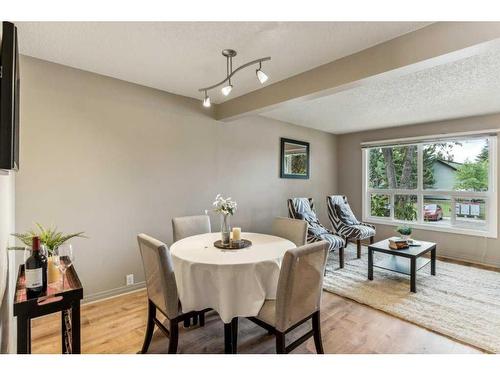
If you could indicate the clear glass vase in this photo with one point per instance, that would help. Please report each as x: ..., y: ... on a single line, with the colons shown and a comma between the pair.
x: 225, y: 229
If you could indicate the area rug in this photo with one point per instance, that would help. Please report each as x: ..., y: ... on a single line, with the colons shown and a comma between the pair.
x: 460, y: 302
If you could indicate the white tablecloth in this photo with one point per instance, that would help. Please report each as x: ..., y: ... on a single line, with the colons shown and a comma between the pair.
x: 232, y: 282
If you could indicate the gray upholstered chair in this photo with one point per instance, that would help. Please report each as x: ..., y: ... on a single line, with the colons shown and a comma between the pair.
x: 292, y: 229
x: 345, y: 224
x: 303, y: 209
x: 162, y: 291
x: 187, y: 226
x: 298, y: 296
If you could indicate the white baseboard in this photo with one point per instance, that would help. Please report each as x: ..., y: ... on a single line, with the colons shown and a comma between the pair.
x: 113, y: 292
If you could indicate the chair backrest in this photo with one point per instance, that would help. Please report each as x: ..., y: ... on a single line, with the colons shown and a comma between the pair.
x: 331, y: 201
x: 300, y: 284
x: 296, y: 205
x: 186, y: 226
x: 345, y: 217
x: 159, y: 273
x: 292, y: 229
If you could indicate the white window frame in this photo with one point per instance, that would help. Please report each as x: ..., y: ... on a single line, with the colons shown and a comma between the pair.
x: 490, y: 196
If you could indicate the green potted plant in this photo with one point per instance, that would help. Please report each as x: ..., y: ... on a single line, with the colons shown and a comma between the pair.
x: 404, y: 231
x: 51, y: 239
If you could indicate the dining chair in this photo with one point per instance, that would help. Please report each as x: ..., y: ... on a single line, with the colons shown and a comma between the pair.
x: 298, y: 297
x: 187, y: 226
x: 162, y: 291
x: 303, y: 209
x: 345, y: 224
x: 292, y: 229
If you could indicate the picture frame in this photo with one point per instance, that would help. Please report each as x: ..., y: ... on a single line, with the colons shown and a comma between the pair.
x: 294, y: 159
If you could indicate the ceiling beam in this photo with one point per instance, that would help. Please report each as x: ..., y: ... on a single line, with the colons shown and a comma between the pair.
x: 432, y: 45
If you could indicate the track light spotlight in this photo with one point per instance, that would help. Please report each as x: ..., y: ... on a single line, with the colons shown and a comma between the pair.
x: 227, y: 89
x: 261, y: 75
x: 206, y: 101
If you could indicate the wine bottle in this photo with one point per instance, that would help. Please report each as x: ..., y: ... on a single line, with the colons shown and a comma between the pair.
x: 35, y: 270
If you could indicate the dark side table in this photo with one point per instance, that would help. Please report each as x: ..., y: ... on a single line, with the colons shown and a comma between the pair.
x: 66, y: 300
x: 406, y: 261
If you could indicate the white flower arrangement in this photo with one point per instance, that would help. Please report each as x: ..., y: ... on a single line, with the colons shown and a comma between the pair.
x: 224, y: 206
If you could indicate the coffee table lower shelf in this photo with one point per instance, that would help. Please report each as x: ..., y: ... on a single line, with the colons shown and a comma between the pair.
x: 400, y: 265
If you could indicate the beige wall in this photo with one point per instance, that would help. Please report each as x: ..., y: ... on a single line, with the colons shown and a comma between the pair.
x: 7, y: 277
x: 477, y: 249
x: 115, y: 159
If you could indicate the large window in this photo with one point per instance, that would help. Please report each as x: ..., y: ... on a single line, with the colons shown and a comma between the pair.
x: 444, y: 185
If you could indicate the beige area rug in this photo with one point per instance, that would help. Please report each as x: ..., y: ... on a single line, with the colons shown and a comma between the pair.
x: 460, y: 302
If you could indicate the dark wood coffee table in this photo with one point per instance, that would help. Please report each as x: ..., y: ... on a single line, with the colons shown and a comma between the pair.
x: 405, y: 261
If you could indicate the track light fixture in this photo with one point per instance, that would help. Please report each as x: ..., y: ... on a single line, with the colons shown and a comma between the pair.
x: 227, y: 88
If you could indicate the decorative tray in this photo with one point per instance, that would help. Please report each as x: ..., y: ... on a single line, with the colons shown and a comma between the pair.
x: 233, y: 245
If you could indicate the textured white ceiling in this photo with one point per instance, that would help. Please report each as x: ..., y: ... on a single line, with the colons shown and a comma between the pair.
x: 180, y: 57
x: 467, y: 87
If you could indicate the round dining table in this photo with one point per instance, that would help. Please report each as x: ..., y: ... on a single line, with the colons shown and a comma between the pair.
x: 234, y: 283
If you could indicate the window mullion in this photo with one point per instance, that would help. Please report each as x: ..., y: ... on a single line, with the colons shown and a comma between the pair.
x: 420, y: 183
x: 420, y: 167
x: 453, y: 218
x: 392, y: 205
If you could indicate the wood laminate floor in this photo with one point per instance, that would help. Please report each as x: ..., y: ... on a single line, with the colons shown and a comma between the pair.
x: 117, y: 325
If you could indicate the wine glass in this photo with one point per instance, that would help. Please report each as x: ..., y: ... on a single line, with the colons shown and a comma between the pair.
x: 63, y: 259
x: 27, y: 253
x: 44, y: 250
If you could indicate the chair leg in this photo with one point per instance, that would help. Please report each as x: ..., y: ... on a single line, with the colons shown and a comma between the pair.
x: 202, y: 319
x: 234, y: 334
x: 372, y: 239
x: 358, y: 244
x: 228, y: 338
x: 187, y: 322
x: 174, y: 337
x: 341, y: 257
x: 195, y: 319
x: 316, y: 325
x: 280, y: 343
x: 150, y: 326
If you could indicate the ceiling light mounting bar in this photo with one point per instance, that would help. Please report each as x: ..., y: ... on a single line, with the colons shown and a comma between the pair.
x: 231, y: 72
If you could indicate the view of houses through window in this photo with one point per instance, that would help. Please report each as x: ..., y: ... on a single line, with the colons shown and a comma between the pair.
x: 445, y: 184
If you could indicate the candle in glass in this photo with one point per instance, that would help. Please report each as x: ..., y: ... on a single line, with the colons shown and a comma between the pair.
x: 236, y: 234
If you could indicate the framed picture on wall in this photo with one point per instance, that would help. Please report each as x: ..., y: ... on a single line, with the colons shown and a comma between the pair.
x: 294, y: 159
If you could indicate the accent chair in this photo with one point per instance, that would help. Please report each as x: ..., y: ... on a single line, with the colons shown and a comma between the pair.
x: 303, y: 209
x: 345, y: 224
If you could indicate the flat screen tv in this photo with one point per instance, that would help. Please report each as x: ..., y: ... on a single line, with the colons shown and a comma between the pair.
x: 9, y: 98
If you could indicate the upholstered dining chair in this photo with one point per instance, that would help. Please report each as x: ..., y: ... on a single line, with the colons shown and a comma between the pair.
x: 292, y: 229
x: 345, y: 224
x: 162, y: 291
x: 298, y: 297
x: 187, y: 226
x: 303, y: 209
